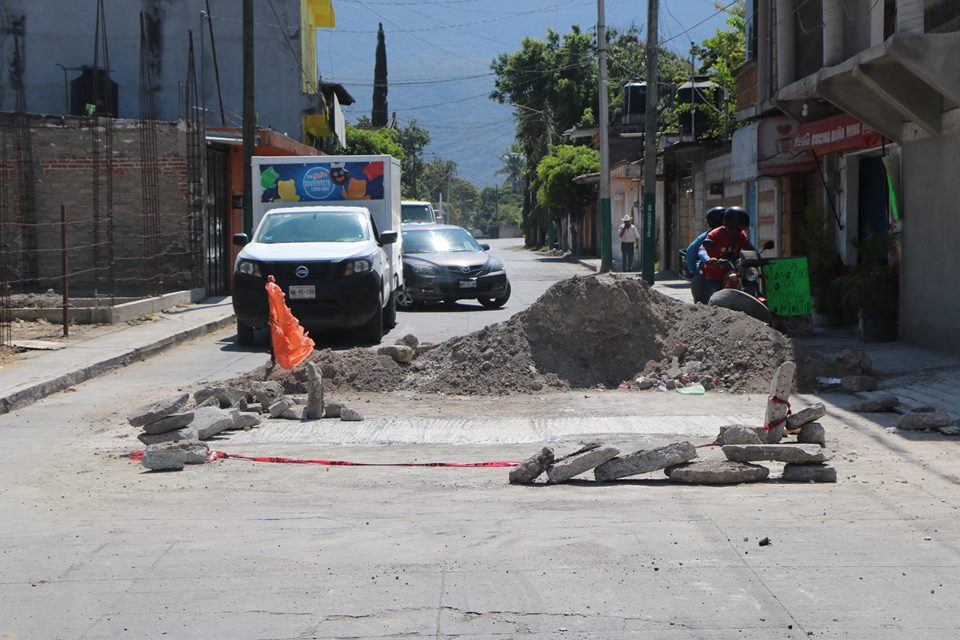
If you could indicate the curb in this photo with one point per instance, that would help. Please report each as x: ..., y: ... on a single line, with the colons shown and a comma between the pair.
x: 41, y: 390
x: 587, y: 264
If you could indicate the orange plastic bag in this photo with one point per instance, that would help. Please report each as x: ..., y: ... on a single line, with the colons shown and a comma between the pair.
x: 291, y: 344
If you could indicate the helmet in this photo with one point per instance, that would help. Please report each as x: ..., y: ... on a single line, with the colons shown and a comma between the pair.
x: 715, y: 217
x: 742, y: 217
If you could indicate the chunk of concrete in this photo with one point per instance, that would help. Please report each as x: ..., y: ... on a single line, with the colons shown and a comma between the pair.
x: 227, y: 396
x: 314, y: 392
x: 589, y: 446
x: 876, y: 404
x: 172, y: 456
x: 170, y: 423
x: 856, y: 384
x: 245, y: 420
x: 278, y: 407
x: 645, y: 461
x: 332, y: 409
x: 531, y: 468
x: 812, y: 433
x: 209, y: 402
x: 574, y: 466
x: 349, y: 415
x: 409, y: 340
x: 156, y: 410
x: 855, y: 360
x: 169, y: 436
x: 266, y: 393
x: 254, y: 407
x: 809, y: 473
x: 717, y: 472
x: 741, y: 434
x: 209, y: 421
x: 781, y: 387
x: 399, y: 352
x: 806, y: 416
x: 950, y: 430
x: 921, y: 421
x: 799, y: 453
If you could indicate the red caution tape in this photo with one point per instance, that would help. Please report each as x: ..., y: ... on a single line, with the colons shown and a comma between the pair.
x: 222, y: 455
x: 777, y: 423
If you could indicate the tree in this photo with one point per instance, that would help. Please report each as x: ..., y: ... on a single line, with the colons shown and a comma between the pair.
x: 721, y: 55
x: 379, y: 113
x: 513, y: 165
x: 556, y: 173
x: 364, y: 142
x: 414, y: 139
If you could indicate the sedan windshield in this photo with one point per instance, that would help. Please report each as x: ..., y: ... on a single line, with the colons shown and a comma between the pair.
x: 312, y: 226
x: 439, y: 240
x: 415, y: 213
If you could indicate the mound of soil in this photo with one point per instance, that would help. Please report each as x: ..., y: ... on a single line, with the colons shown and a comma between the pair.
x: 583, y: 332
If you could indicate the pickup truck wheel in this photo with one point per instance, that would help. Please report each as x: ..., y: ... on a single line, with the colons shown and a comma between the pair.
x: 244, y: 334
x: 390, y: 315
x: 375, y: 326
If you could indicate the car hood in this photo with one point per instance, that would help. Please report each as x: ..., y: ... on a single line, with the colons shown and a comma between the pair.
x: 451, y: 259
x: 306, y: 251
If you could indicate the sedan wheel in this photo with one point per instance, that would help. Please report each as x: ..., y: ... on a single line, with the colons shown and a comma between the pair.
x: 496, y: 303
x: 404, y: 300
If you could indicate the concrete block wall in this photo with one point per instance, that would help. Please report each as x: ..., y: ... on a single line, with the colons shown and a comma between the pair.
x: 63, y: 169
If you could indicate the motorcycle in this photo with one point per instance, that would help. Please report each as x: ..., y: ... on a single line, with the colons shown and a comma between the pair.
x: 743, y: 288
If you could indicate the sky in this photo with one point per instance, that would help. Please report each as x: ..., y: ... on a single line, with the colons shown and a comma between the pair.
x: 439, y: 54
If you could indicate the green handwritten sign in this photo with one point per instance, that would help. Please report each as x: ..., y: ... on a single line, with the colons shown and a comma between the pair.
x: 787, y: 284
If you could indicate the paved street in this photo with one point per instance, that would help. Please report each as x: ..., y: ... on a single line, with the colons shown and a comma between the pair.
x: 93, y: 547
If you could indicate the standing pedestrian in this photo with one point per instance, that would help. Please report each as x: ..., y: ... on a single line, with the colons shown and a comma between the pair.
x: 629, y: 238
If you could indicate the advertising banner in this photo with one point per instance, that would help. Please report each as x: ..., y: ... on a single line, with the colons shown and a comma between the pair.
x: 321, y: 182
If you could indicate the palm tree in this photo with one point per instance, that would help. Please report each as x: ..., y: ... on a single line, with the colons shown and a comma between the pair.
x: 513, y: 168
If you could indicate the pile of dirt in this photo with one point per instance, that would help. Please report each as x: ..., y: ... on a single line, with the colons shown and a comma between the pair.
x: 582, y: 333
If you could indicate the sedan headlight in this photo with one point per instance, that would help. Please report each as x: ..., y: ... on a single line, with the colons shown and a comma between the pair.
x: 249, y: 267
x: 422, y: 268
x: 751, y: 274
x: 494, y: 265
x: 360, y: 265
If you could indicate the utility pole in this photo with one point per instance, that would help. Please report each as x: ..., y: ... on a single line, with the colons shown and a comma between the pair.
x: 649, y: 251
x: 548, y: 127
x: 606, y: 242
x: 249, y: 117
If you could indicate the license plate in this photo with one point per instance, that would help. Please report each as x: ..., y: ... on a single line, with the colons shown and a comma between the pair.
x: 302, y: 292
x: 468, y: 284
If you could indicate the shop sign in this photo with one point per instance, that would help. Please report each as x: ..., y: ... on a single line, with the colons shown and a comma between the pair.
x: 836, y: 134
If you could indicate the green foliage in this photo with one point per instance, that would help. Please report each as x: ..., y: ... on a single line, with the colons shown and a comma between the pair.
x: 513, y: 168
x: 414, y: 139
x: 823, y: 264
x: 556, y: 172
x: 372, y: 142
x: 378, y: 115
x: 874, y: 282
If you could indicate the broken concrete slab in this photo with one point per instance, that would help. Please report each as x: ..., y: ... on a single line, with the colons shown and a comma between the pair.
x: 876, y: 404
x: 169, y: 436
x: 254, y: 407
x: 812, y: 433
x: 209, y: 402
x: 314, y: 392
x: 921, y: 421
x: 856, y: 384
x: 169, y: 423
x: 856, y: 360
x: 399, y: 352
x: 278, y: 407
x: 806, y: 416
x: 645, y: 461
x: 589, y: 446
x: 266, y: 393
x: 349, y: 415
x: 209, y: 421
x: 781, y: 386
x: 172, y: 456
x: 741, y: 434
x: 531, y: 468
x: 332, y: 409
x: 409, y: 340
x: 574, y: 466
x: 156, y: 410
x: 227, y: 396
x: 950, y: 430
x: 809, y: 473
x: 245, y: 420
x: 799, y: 453
x: 717, y: 472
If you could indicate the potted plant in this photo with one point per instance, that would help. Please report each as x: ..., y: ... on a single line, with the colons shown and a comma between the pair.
x: 824, y: 268
x: 873, y: 285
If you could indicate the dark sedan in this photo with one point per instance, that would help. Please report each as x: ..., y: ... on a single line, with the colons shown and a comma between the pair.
x: 445, y: 263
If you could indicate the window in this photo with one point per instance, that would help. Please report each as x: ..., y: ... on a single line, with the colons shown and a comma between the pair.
x: 750, y: 16
x: 439, y: 240
x: 308, y: 226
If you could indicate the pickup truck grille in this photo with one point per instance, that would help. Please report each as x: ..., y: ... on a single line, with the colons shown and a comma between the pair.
x: 286, y: 271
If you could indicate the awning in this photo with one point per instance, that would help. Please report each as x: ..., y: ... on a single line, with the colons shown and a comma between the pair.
x: 909, y: 77
x: 836, y: 134
x: 767, y: 148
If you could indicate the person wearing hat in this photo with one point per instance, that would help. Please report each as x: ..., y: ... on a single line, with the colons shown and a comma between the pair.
x: 629, y: 238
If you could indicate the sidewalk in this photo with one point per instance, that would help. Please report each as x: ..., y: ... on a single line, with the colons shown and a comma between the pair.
x: 43, y: 373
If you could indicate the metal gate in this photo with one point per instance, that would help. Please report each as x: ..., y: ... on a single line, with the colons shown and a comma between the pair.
x: 218, y: 207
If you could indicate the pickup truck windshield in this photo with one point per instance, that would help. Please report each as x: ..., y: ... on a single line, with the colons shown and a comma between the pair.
x: 439, y: 240
x: 415, y: 213
x: 310, y: 226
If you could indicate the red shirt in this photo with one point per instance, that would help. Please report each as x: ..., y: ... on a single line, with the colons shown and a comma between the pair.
x: 726, y: 246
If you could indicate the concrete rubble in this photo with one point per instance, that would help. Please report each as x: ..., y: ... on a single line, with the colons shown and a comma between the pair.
x: 717, y: 472
x: 781, y: 386
x: 923, y: 420
x: 645, y: 461
x: 210, y: 421
x: 532, y: 468
x: 332, y: 409
x: 266, y: 393
x: 798, y: 453
x: 349, y: 415
x: 286, y: 408
x: 741, y: 434
x: 876, y: 404
x: 171, y: 422
x: 809, y: 473
x: 812, y: 433
x: 157, y: 410
x: 858, y: 383
x: 806, y: 416
x: 314, y: 409
x: 169, y: 436
x: 172, y: 456
x: 227, y: 396
x: 400, y: 353
x: 580, y: 463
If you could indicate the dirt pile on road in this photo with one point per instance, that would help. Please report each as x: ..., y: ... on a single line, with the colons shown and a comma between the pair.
x: 583, y: 332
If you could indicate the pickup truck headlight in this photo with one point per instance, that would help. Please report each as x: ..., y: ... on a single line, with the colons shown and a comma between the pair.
x: 249, y: 267
x: 360, y: 265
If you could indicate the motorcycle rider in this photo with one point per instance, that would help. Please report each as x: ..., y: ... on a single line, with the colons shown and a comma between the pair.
x: 723, y: 243
x: 695, y: 264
